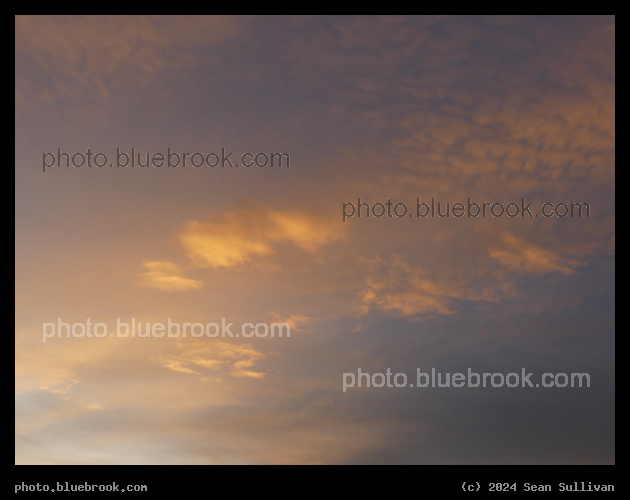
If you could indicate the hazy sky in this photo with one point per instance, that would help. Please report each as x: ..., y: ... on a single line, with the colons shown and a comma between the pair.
x: 495, y: 109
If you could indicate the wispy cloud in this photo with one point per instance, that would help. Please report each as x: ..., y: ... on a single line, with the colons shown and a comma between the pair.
x: 236, y: 236
x: 167, y: 277
x: 526, y: 257
x: 214, y: 359
x: 494, y: 108
x: 401, y: 289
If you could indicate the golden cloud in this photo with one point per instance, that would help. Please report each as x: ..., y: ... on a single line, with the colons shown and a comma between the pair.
x: 251, y: 231
x: 216, y: 356
x: 167, y: 277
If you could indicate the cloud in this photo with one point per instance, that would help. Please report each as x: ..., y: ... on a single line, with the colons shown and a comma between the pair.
x: 167, y: 277
x: 96, y: 57
x: 235, y: 359
x: 239, y: 235
x: 529, y: 258
x: 451, y: 107
x: 397, y: 288
x: 295, y: 321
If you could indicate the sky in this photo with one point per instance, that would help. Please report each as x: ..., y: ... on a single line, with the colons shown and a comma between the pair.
x: 495, y: 109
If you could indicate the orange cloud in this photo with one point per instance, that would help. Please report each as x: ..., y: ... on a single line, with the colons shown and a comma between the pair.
x: 233, y: 358
x: 529, y: 258
x: 295, y: 321
x: 401, y: 289
x: 247, y: 232
x: 167, y: 277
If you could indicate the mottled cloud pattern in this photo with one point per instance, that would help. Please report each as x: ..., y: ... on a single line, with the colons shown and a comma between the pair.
x: 496, y: 109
